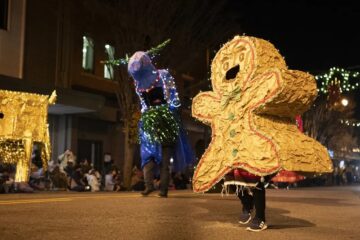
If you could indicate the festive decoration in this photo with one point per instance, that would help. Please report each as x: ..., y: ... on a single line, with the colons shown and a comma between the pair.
x: 160, y: 125
x: 336, y: 82
x: 23, y: 120
x: 288, y: 177
x: 251, y: 111
x: 153, y: 52
x: 152, y: 84
x: 11, y: 150
x: 351, y: 123
x: 340, y: 78
x: 299, y: 123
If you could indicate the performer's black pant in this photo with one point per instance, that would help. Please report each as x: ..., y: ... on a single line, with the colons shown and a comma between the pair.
x: 257, y: 200
x: 167, y: 152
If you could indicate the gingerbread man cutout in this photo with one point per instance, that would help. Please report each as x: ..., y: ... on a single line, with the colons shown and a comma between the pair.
x: 251, y: 111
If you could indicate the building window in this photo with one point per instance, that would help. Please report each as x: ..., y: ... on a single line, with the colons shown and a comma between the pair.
x: 108, y: 69
x: 4, y: 11
x: 88, y: 54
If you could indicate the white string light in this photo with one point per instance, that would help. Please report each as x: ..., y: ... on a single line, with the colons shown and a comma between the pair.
x: 341, y: 78
x: 338, y: 76
x: 350, y: 123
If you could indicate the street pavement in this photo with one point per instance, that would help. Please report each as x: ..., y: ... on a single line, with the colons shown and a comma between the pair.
x: 302, y: 213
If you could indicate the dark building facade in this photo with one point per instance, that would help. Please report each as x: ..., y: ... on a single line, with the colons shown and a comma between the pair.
x: 52, y: 45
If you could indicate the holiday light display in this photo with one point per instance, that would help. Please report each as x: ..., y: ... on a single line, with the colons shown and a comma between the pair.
x: 160, y: 125
x: 338, y: 76
x: 23, y: 121
x: 335, y: 83
x: 351, y: 123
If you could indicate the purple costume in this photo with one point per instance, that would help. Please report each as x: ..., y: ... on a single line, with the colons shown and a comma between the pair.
x: 157, y: 88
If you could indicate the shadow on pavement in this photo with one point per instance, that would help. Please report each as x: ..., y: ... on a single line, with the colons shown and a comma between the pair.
x: 312, y: 201
x: 229, y: 212
x: 277, y: 219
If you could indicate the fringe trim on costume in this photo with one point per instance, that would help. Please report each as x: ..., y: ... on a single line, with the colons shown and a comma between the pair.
x: 240, y: 187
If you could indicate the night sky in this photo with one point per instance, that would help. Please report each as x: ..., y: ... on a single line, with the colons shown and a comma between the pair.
x: 312, y: 35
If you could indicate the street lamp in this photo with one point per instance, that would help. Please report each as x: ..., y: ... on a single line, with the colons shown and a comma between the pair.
x: 344, y: 102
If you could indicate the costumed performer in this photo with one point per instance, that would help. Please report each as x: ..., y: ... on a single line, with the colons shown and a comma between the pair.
x: 161, y: 134
x: 251, y: 109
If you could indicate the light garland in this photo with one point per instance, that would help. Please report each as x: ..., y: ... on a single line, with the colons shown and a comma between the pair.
x: 153, y: 52
x: 340, y: 77
x: 160, y: 125
x: 337, y: 81
x: 152, y: 86
x: 350, y: 123
x: 167, y: 82
x: 11, y: 150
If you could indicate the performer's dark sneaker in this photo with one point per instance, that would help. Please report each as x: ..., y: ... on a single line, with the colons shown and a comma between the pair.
x: 147, y: 191
x: 162, y: 195
x: 245, y: 218
x: 257, y: 225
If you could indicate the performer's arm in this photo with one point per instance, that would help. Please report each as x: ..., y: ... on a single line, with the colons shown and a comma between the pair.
x: 142, y: 103
x: 173, y: 96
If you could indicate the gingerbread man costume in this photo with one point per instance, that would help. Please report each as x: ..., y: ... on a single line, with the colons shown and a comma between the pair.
x: 251, y: 109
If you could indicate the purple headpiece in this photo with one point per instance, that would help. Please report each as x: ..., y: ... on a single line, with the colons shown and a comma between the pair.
x: 140, y: 66
x: 142, y: 70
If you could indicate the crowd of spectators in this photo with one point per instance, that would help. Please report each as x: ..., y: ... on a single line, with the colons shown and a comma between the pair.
x: 68, y: 174
x: 64, y: 173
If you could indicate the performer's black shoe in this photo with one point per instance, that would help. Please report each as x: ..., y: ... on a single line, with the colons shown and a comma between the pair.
x: 245, y: 218
x: 257, y: 225
x: 162, y: 195
x: 147, y: 191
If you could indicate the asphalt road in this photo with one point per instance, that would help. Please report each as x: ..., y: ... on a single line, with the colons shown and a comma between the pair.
x: 304, y: 213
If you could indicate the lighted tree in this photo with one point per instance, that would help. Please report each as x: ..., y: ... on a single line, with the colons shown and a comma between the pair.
x: 331, y: 120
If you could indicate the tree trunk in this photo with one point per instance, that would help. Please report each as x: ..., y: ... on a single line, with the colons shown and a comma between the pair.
x: 128, y: 156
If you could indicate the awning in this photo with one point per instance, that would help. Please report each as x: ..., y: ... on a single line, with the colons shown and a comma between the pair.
x: 75, y: 102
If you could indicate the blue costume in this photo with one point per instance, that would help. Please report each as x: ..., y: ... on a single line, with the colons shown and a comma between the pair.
x: 160, y: 130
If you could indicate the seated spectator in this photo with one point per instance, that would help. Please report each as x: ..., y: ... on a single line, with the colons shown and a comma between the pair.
x: 76, y: 182
x: 36, y: 158
x: 67, y: 157
x: 69, y: 169
x: 117, y: 180
x: 113, y: 181
x: 109, y: 182
x: 58, y: 180
x: 137, y: 180
x: 179, y: 180
x: 92, y: 181
x: 6, y: 179
x: 85, y: 165
x: 37, y: 177
x: 98, y: 176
